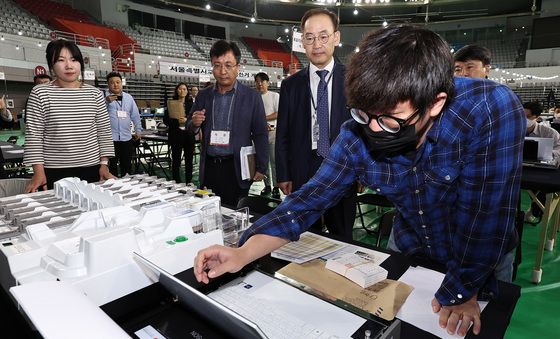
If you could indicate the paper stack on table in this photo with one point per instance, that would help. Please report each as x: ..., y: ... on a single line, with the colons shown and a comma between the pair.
x: 358, y: 268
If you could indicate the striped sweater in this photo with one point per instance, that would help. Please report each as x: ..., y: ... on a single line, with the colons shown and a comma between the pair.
x: 67, y: 127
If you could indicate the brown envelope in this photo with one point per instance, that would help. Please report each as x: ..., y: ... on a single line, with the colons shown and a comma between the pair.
x: 383, y: 299
x: 176, y: 109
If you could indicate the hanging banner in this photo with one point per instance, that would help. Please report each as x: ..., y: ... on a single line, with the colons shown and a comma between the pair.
x: 169, y: 68
x: 203, y: 72
x: 297, y: 42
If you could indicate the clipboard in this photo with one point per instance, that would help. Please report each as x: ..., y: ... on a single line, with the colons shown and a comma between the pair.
x: 176, y: 109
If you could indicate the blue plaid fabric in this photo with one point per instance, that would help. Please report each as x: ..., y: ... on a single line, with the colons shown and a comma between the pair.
x: 456, y: 200
x: 323, y: 114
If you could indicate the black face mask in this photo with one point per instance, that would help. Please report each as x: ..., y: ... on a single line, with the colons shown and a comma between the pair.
x: 388, y: 144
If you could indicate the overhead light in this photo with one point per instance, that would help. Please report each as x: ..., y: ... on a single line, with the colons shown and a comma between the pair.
x: 385, y: 23
x: 17, y: 47
x: 102, y: 54
x: 286, y: 30
x: 357, y: 49
x: 99, y: 47
x: 104, y: 61
x: 153, y: 61
x: 19, y: 33
x: 2, y: 38
x: 159, y: 56
x: 355, y: 12
x: 40, y: 44
x: 246, y: 26
x: 208, y: 7
x: 131, y: 52
x: 253, y: 19
x: 340, y: 44
x: 179, y: 9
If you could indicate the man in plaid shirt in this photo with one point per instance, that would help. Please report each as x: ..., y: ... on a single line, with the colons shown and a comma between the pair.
x: 446, y: 151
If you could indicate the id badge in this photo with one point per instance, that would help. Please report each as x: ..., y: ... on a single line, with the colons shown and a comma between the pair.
x: 122, y: 114
x: 315, y: 136
x: 219, y: 138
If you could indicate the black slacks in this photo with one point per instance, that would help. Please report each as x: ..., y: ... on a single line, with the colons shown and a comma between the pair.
x: 181, y: 142
x: 89, y: 174
x: 220, y: 176
x: 124, y: 150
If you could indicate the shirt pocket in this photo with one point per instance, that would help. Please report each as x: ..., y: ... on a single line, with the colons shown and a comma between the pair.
x: 440, y: 183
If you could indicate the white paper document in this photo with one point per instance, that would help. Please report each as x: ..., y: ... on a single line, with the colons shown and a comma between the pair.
x: 309, y: 246
x: 417, y: 310
x: 245, y: 170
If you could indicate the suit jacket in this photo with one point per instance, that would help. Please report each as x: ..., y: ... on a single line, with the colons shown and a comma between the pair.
x: 248, y: 127
x: 293, y: 129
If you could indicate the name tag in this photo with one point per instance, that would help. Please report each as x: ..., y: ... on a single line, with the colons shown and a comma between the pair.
x: 122, y: 114
x: 315, y: 136
x: 219, y: 138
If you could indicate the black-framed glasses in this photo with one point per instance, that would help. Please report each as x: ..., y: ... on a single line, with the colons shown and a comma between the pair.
x: 309, y: 39
x: 387, y: 122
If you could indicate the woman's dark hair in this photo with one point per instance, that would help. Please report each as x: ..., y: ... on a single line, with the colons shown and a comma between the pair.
x: 55, y: 47
x: 176, y: 93
x: 221, y: 47
x: 396, y: 64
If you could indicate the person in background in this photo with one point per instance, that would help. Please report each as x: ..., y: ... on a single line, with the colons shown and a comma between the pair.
x: 6, y: 118
x: 230, y: 116
x: 472, y: 61
x: 41, y: 79
x: 122, y: 113
x: 68, y: 133
x: 181, y: 140
x: 451, y: 168
x: 312, y: 108
x: 270, y: 101
x: 533, y: 111
x: 194, y: 93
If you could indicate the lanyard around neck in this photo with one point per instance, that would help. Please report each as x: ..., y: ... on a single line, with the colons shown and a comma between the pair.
x: 229, y: 111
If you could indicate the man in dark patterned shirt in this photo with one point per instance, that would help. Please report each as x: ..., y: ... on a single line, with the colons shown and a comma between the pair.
x: 447, y: 152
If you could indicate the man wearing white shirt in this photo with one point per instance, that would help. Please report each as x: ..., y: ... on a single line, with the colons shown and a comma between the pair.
x: 532, y: 111
x: 270, y: 101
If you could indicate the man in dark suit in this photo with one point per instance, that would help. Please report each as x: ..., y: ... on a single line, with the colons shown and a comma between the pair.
x: 312, y: 109
x: 231, y: 116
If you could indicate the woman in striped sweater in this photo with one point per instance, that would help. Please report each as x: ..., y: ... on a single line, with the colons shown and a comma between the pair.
x: 68, y: 133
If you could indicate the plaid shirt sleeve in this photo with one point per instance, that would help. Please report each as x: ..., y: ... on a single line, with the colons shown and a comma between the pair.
x: 302, y: 208
x: 488, y: 192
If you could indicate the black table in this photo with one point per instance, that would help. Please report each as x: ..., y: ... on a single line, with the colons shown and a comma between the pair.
x: 11, y: 152
x: 154, y: 150
x: 546, y: 181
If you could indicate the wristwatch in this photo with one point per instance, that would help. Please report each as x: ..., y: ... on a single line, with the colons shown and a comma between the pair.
x: 104, y: 162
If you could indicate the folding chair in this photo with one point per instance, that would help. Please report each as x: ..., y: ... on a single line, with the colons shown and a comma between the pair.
x: 146, y: 158
x: 378, y: 201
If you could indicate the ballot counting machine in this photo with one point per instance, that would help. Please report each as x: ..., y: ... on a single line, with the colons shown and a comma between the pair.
x: 85, y: 234
x: 69, y: 253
